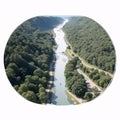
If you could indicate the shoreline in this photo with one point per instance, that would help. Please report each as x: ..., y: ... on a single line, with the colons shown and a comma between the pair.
x: 59, y: 85
x: 74, y: 98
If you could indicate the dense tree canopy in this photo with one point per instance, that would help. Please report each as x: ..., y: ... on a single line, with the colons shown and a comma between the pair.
x: 28, y: 55
x: 89, y: 40
x: 74, y: 81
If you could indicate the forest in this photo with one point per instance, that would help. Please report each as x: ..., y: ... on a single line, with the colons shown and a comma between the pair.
x: 91, y: 42
x: 76, y: 83
x: 28, y: 55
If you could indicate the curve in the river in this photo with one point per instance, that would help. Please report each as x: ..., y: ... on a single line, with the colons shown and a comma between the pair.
x: 59, y: 91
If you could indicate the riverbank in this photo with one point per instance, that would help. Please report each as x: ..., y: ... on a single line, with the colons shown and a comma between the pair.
x: 75, y: 99
x: 90, y: 83
x: 50, y: 84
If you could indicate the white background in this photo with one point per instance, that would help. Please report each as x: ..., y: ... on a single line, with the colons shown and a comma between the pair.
x: 13, y: 13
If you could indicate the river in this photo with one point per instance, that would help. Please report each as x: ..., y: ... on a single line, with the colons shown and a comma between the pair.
x: 59, y: 94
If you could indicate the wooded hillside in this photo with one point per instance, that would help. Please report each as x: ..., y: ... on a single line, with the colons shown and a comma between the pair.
x: 90, y: 41
x: 28, y: 55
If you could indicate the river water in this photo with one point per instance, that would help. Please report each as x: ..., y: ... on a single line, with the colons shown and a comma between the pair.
x: 59, y: 96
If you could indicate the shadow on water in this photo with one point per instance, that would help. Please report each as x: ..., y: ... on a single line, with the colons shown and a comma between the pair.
x: 55, y: 78
x: 54, y: 97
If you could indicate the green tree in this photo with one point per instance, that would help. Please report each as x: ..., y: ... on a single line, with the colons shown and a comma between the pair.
x: 30, y: 95
x: 88, y: 96
x: 42, y: 95
x: 79, y: 88
x: 38, y: 72
x: 11, y: 75
x: 23, y: 88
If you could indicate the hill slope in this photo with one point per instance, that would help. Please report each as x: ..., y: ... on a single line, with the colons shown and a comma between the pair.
x: 28, y: 55
x: 90, y: 41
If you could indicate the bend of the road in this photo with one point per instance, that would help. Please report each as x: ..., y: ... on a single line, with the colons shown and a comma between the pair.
x: 86, y: 64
